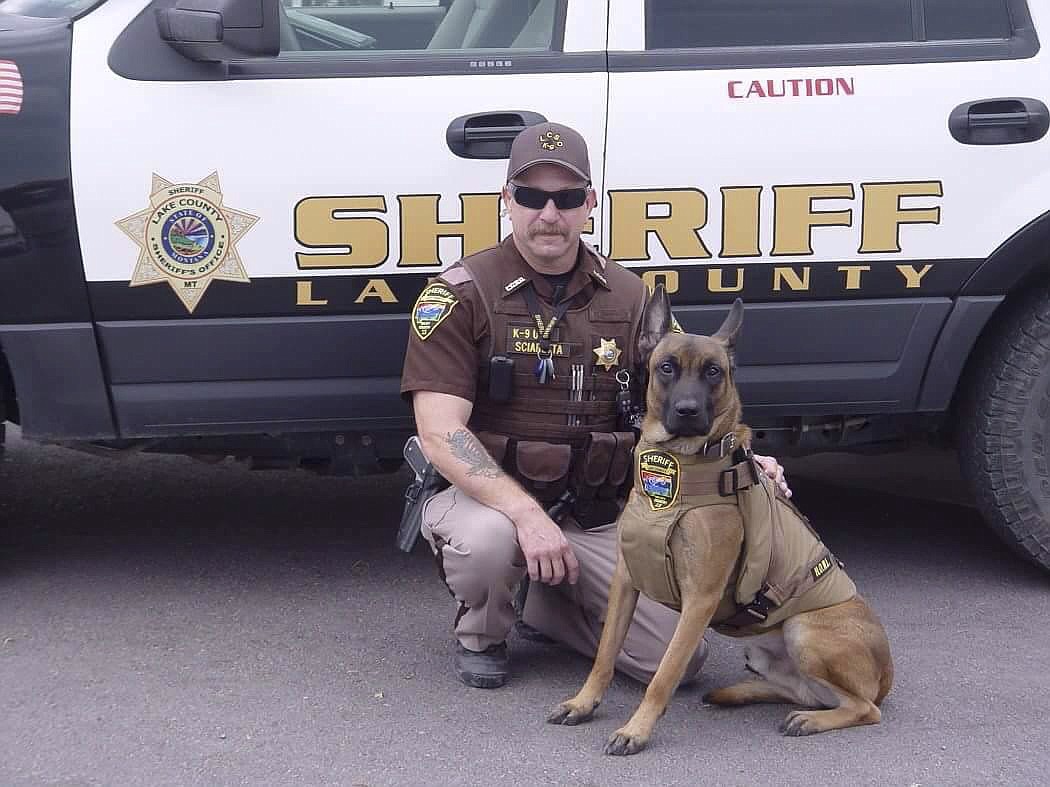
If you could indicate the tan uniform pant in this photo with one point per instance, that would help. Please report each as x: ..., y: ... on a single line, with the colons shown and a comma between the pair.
x: 481, y: 563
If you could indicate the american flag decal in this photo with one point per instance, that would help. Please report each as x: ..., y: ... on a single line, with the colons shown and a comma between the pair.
x: 10, y: 88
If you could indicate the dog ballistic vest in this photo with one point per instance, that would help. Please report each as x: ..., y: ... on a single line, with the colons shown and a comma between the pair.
x: 784, y: 568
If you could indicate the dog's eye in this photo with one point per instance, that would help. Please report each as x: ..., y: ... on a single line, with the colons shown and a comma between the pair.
x: 667, y: 367
x: 714, y: 372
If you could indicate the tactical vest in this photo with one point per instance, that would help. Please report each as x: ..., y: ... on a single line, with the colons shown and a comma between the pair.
x: 544, y: 438
x: 784, y: 568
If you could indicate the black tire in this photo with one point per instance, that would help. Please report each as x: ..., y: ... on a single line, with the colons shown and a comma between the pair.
x: 1004, y: 429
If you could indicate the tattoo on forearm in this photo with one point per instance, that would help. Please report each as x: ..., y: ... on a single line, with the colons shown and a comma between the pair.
x: 469, y: 450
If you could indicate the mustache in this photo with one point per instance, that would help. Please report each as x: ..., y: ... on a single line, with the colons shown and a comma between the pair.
x: 546, y: 229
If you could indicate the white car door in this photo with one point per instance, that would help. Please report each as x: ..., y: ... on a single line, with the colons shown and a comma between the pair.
x: 841, y: 165
x: 254, y: 233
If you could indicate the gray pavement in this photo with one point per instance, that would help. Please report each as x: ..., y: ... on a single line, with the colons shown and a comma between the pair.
x: 164, y: 621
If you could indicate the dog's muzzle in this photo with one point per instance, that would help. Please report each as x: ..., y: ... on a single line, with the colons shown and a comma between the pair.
x: 687, y: 418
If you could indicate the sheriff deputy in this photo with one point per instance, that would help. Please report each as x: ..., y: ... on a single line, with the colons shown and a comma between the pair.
x: 516, y: 359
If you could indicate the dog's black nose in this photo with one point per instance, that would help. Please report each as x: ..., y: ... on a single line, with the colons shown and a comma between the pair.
x: 687, y: 408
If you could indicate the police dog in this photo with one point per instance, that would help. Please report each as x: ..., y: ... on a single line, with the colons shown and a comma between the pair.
x: 835, y: 659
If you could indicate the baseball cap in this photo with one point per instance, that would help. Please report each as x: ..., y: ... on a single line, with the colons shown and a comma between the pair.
x: 549, y: 143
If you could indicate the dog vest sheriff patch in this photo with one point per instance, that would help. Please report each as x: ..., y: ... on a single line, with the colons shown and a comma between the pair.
x: 432, y: 306
x: 659, y: 478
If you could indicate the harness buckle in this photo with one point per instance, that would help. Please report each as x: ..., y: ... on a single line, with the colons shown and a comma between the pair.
x: 722, y: 486
x: 760, y: 605
x: 725, y: 446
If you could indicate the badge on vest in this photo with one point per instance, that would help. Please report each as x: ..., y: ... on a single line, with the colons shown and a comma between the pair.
x: 658, y: 478
x: 608, y: 353
x: 433, y: 305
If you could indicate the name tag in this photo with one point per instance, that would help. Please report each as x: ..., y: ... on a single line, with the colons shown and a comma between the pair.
x: 525, y: 340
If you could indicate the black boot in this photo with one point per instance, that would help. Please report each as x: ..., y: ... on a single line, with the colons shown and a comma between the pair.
x: 486, y: 669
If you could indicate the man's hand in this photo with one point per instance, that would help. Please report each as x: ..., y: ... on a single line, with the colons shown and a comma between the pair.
x: 548, y: 554
x: 772, y: 468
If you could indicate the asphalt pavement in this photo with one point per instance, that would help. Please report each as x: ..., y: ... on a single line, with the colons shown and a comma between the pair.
x: 169, y: 622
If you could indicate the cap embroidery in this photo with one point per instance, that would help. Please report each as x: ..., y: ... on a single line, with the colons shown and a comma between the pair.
x: 551, y: 141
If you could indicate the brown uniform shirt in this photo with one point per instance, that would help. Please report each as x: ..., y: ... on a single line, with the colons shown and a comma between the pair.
x: 448, y: 360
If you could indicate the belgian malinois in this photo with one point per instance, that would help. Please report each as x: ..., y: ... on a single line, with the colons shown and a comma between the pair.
x: 835, y: 659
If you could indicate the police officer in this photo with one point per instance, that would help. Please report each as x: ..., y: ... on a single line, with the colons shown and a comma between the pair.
x: 516, y: 356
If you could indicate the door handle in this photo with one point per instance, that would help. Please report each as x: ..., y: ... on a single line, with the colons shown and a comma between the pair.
x: 488, y: 135
x: 999, y: 121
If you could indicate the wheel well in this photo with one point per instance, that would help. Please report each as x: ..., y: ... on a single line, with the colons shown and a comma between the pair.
x: 1027, y: 287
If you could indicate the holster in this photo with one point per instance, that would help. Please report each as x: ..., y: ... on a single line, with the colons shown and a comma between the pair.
x: 416, y: 496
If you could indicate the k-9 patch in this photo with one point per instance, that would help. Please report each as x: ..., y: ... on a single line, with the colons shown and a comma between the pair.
x: 433, y: 305
x: 658, y: 478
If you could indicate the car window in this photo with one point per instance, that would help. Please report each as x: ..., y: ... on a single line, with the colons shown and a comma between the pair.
x: 958, y: 19
x: 379, y: 26
x: 676, y: 24
x: 680, y: 24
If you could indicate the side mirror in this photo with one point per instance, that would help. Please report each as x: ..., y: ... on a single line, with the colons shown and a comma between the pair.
x: 220, y: 30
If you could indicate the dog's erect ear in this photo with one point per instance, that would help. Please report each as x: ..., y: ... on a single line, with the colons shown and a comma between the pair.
x: 656, y: 323
x: 731, y: 328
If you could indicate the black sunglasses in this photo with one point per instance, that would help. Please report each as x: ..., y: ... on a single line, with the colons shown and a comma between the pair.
x: 536, y: 199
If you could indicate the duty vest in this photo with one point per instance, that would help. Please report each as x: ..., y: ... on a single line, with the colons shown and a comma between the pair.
x: 546, y: 436
x: 784, y: 568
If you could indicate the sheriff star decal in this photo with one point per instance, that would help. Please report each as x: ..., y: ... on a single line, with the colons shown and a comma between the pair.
x: 433, y: 305
x: 608, y: 353
x: 187, y: 238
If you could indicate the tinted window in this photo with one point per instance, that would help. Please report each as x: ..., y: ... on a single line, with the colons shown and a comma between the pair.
x: 674, y: 24
x: 365, y: 26
x: 956, y: 19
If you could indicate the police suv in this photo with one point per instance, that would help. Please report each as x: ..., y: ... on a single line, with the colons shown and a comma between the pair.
x: 215, y: 215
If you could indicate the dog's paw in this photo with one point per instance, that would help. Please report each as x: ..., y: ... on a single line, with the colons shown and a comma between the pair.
x: 800, y: 722
x: 571, y: 714
x: 622, y: 743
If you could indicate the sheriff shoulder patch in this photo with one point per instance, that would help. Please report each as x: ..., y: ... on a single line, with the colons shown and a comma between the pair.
x: 433, y: 305
x: 658, y: 478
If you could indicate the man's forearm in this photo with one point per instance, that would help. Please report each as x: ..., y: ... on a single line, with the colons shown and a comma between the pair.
x: 441, y: 420
x: 462, y: 459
